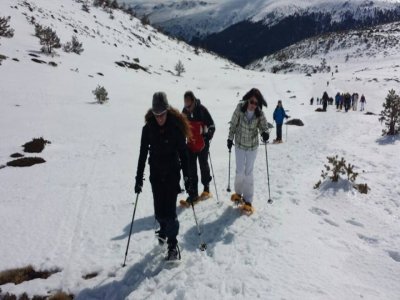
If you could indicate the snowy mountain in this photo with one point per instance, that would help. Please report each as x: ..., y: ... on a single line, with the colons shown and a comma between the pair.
x: 374, y: 43
x: 69, y: 216
x: 245, y: 31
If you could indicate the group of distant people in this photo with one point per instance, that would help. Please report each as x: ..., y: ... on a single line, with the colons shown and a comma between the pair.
x: 342, y: 101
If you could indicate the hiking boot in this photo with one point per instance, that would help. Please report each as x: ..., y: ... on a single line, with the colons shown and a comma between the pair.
x: 205, y: 195
x: 247, y: 207
x: 174, y: 253
x: 236, y: 198
x: 192, y: 199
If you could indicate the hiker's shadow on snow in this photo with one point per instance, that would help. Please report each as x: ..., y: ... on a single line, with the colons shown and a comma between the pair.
x: 213, y: 232
x: 388, y: 140
x: 148, y: 267
x: 139, y: 225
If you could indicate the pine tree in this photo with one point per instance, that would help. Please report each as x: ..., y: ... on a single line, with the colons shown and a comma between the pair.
x: 100, y: 94
x: 49, y: 40
x: 85, y: 7
x: 391, y: 114
x: 179, y: 68
x: 5, y: 30
x: 73, y: 46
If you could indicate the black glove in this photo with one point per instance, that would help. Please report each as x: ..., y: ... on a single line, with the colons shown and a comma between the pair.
x: 138, y: 184
x: 265, y: 136
x: 229, y: 144
x: 210, y: 133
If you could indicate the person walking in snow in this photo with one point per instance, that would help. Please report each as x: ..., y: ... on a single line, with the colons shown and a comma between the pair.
x: 312, y: 101
x: 341, y: 101
x: 363, y: 101
x: 347, y: 102
x: 202, y: 130
x: 355, y: 101
x: 164, y: 140
x: 337, y: 100
x: 325, y: 99
x: 247, y: 122
x: 279, y: 116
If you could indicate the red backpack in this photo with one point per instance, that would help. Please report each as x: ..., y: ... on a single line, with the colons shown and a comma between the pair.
x: 196, y: 143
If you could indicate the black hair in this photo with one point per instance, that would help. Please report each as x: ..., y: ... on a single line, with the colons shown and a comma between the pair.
x: 190, y: 95
x: 260, y: 101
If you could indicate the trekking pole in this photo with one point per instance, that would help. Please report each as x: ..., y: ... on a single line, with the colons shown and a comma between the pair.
x: 130, y: 231
x: 203, y: 246
x: 229, y: 173
x: 212, y: 170
x: 269, y: 189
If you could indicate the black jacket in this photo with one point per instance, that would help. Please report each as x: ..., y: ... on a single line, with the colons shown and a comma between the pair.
x: 200, y: 114
x: 167, y: 148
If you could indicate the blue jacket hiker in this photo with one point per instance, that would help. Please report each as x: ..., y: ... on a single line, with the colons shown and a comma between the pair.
x: 279, y: 117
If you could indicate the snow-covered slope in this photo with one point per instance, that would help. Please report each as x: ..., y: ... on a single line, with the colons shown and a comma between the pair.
x: 197, y: 18
x: 375, y: 43
x: 73, y: 212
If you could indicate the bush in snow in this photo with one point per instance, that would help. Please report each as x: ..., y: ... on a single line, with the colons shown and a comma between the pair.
x: 85, y: 7
x: 100, y: 94
x: 179, y: 68
x: 5, y: 30
x: 73, y: 46
x: 391, y: 114
x: 336, y: 168
x: 48, y: 38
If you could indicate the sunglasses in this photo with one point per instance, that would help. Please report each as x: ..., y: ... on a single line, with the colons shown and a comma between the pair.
x: 255, y: 103
x: 160, y: 115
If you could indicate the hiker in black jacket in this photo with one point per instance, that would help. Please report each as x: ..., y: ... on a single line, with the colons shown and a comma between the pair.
x: 164, y: 139
x: 202, y: 131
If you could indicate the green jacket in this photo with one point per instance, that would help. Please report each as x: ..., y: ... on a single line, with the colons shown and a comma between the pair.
x: 244, y: 132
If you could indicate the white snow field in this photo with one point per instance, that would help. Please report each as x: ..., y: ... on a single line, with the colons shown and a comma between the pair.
x: 74, y: 211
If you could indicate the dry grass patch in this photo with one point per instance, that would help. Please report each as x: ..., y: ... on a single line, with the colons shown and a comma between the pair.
x: 20, y: 275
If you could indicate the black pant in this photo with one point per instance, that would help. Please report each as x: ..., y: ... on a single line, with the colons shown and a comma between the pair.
x: 279, y: 132
x: 165, y: 193
x: 202, y: 156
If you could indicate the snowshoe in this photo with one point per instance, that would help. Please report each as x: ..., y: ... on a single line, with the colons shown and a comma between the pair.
x: 205, y: 195
x: 189, y: 201
x: 174, y: 254
x: 247, y: 208
x: 237, y: 199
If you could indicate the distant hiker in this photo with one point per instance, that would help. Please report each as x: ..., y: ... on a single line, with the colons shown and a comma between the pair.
x: 363, y: 102
x: 247, y: 121
x: 347, y: 102
x: 318, y: 101
x: 202, y: 131
x: 279, y: 117
x: 327, y: 83
x: 337, y: 100
x: 355, y: 101
x: 325, y: 99
x: 312, y: 101
x: 164, y: 138
x: 341, y: 101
